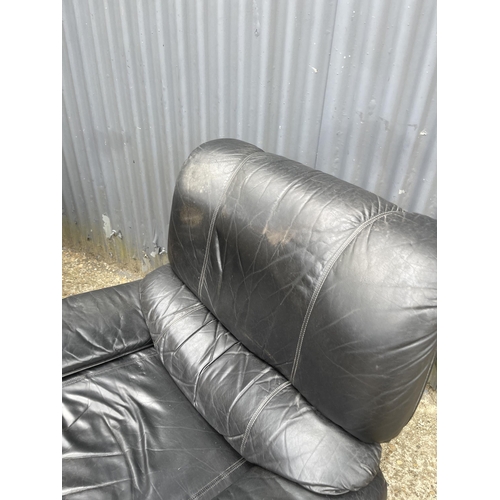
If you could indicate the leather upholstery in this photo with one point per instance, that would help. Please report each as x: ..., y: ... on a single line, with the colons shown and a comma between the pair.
x: 259, y: 483
x: 129, y: 433
x: 328, y: 283
x: 293, y: 330
x: 102, y: 325
x: 247, y: 401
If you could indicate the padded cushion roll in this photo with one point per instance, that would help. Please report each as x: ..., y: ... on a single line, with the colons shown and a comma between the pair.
x: 246, y: 400
x: 330, y: 284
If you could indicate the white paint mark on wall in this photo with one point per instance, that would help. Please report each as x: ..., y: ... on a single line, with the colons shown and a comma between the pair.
x: 106, y: 226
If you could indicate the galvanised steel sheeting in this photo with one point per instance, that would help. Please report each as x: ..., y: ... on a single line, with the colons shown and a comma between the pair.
x: 379, y: 119
x: 348, y: 87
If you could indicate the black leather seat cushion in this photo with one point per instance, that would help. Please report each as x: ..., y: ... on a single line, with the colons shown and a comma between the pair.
x: 129, y: 433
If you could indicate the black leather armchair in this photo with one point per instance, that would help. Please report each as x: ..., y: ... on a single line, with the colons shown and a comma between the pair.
x: 293, y: 330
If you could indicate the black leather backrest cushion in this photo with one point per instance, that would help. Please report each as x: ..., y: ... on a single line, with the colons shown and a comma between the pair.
x: 332, y: 285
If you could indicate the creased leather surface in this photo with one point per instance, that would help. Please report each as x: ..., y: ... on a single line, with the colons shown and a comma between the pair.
x: 129, y: 433
x: 259, y: 484
x: 102, y: 325
x: 330, y: 284
x: 246, y: 400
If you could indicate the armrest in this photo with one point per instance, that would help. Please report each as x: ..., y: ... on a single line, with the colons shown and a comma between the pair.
x: 102, y: 325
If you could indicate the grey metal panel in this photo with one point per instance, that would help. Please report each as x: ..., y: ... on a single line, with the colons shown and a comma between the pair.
x: 347, y: 87
x: 379, y: 121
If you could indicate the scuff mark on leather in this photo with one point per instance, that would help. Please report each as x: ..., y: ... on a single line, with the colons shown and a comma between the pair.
x: 276, y: 238
x: 191, y: 215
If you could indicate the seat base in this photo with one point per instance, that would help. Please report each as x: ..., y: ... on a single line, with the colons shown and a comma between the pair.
x: 129, y: 433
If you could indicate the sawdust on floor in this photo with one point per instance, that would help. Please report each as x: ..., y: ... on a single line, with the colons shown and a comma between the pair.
x: 409, y: 462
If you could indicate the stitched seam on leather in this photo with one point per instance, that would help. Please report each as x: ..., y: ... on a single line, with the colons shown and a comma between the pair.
x: 192, y: 309
x: 103, y: 362
x: 219, y: 478
x: 245, y: 389
x: 321, y: 282
x: 259, y: 410
x: 176, y: 350
x: 94, y: 375
x: 214, y: 218
x: 195, y: 397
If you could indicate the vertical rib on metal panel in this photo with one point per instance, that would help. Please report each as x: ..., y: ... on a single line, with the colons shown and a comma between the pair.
x: 379, y: 118
x: 347, y: 87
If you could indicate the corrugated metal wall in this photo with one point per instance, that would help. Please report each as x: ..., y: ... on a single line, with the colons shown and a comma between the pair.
x: 348, y: 87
